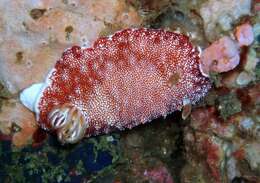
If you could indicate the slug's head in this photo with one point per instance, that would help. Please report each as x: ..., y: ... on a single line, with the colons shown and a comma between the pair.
x: 68, y: 122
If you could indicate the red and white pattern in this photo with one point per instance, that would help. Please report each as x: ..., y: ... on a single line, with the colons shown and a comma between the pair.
x: 125, y: 79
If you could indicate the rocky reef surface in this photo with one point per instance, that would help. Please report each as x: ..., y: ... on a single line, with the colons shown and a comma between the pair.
x: 218, y: 142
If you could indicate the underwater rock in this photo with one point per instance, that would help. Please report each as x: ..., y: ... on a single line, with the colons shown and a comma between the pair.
x: 90, y: 90
x: 249, y: 127
x: 134, y: 140
x: 207, y: 121
x: 230, y: 79
x: 244, y: 78
x: 38, y: 31
x: 246, y: 124
x: 193, y: 172
x: 218, y: 15
x: 159, y: 174
x: 17, y: 121
x: 237, y: 78
x: 227, y: 146
x: 256, y: 30
x: 251, y: 61
x: 232, y: 169
x: 254, y: 94
x: 252, y: 155
x: 210, y: 150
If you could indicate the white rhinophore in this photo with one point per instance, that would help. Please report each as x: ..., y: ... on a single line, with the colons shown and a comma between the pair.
x: 30, y: 95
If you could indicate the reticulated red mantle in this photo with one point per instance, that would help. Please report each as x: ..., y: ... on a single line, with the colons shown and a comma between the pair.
x: 125, y: 79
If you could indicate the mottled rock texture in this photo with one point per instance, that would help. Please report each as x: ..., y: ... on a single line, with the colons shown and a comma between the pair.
x: 34, y: 33
x: 218, y: 15
x: 18, y: 122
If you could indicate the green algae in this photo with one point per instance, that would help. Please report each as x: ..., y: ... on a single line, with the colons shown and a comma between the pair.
x: 15, y: 174
x: 80, y: 168
x: 31, y: 165
x: 228, y: 105
x: 216, y: 79
x: 38, y: 164
x: 105, y: 143
x: 27, y: 165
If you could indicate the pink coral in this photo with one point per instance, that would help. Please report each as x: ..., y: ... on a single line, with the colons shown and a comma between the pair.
x: 221, y: 56
x: 244, y: 34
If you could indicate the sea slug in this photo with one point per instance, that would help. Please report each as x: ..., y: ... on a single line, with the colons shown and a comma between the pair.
x: 122, y: 81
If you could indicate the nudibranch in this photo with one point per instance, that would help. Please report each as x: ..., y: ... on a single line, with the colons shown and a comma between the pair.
x: 122, y: 81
